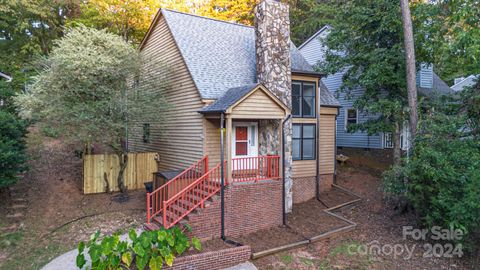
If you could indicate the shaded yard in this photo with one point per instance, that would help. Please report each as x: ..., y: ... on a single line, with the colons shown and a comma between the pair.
x: 35, y: 220
x: 376, y: 222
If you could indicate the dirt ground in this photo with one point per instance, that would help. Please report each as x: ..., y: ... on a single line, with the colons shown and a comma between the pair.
x: 46, y: 213
x: 378, y: 224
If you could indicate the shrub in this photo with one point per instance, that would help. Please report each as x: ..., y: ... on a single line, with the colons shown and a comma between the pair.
x: 152, y: 248
x: 12, y: 148
x: 441, y: 180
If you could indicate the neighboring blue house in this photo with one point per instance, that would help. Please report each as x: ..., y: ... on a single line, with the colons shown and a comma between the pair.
x: 429, y: 84
x: 461, y: 83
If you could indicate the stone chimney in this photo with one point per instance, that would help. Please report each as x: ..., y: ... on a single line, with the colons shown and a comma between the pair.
x: 272, y: 44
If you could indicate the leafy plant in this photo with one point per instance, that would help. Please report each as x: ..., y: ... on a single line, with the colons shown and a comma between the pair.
x: 12, y: 148
x: 443, y: 173
x: 152, y: 248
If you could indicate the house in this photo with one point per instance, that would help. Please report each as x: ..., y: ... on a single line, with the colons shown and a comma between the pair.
x: 7, y: 79
x: 428, y: 83
x: 462, y: 82
x: 249, y: 90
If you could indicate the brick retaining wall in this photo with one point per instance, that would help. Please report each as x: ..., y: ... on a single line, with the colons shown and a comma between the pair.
x: 213, y: 260
x: 304, y: 187
x: 249, y: 207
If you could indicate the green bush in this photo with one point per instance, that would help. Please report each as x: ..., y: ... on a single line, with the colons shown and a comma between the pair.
x: 441, y: 179
x: 12, y: 148
x: 152, y: 248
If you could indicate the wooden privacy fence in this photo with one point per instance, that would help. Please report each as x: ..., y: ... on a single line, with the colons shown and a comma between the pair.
x: 140, y: 169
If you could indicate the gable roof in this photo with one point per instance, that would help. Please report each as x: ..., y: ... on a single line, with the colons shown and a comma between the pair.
x: 237, y: 94
x: 325, y: 27
x: 439, y: 88
x: 469, y: 81
x: 314, y: 51
x: 219, y: 55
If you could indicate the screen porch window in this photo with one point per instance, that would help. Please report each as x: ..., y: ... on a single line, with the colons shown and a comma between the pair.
x: 303, y: 99
x: 303, y: 141
x: 351, y: 118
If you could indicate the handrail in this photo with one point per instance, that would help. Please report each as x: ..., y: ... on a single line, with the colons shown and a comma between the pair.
x: 156, y: 198
x: 254, y: 169
x: 191, y: 197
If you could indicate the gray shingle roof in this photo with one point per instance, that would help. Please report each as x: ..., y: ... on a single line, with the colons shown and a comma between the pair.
x: 219, y: 55
x: 229, y: 98
x: 326, y: 97
x: 440, y: 88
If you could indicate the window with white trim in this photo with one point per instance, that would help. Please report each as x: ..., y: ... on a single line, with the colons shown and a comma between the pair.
x: 351, y: 117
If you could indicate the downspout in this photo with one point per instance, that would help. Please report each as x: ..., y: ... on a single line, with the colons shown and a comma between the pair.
x: 222, y: 185
x: 284, y: 216
x: 335, y: 150
x: 317, y: 146
x: 222, y: 178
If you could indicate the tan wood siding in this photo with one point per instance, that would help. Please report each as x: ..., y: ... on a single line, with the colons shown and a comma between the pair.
x: 303, y: 168
x: 327, y: 144
x: 258, y: 106
x: 179, y: 141
x: 212, y: 141
x: 329, y: 110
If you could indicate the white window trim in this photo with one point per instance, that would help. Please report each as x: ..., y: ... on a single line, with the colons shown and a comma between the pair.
x: 346, y: 117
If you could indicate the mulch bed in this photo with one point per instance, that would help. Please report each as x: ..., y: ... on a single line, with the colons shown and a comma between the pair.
x: 269, y: 238
x: 209, y: 245
x: 306, y: 220
x: 336, y: 197
x: 309, y: 220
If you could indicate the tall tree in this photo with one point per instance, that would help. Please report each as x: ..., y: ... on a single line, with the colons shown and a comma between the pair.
x: 366, y: 43
x: 308, y: 16
x: 83, y: 91
x: 131, y: 19
x: 449, y: 32
x: 411, y: 72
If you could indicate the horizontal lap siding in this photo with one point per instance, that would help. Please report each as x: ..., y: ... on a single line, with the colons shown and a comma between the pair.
x: 346, y: 139
x: 212, y: 141
x: 179, y: 140
x: 258, y: 105
x: 327, y: 144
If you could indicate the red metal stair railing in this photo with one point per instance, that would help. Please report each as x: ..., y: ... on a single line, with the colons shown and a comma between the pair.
x: 191, y: 197
x: 156, y: 199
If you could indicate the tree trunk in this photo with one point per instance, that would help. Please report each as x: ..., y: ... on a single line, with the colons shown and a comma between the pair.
x: 397, y: 153
x: 411, y: 70
x: 123, y: 161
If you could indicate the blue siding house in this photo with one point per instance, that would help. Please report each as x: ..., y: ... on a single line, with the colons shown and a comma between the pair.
x: 429, y: 84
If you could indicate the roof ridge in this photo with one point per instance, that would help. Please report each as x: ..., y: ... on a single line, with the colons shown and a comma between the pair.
x: 323, y: 28
x: 207, y: 18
